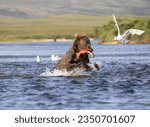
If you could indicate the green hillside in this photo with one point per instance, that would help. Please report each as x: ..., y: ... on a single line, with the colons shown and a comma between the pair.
x: 45, y: 8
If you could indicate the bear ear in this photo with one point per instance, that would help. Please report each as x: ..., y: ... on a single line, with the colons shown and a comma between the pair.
x: 84, y: 35
x: 79, y: 36
x: 76, y: 35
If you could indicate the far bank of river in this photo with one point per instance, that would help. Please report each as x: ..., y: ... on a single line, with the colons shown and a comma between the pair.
x: 65, y: 40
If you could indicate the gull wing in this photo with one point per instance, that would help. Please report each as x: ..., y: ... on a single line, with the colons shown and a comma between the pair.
x: 133, y: 32
x: 114, y: 18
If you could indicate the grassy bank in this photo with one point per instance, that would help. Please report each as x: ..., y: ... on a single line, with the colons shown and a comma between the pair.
x: 61, y: 26
x: 65, y: 26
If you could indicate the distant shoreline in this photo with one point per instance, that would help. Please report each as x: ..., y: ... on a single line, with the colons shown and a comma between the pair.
x: 62, y: 40
x: 37, y: 40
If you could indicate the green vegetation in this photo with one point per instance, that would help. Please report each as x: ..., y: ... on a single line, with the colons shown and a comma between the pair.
x: 65, y: 26
x: 60, y: 26
x: 108, y: 31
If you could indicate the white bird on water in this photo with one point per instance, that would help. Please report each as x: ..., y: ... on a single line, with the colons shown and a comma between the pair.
x: 54, y: 58
x: 122, y: 37
x: 38, y: 59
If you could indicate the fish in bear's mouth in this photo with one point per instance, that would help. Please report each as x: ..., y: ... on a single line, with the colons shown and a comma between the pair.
x: 85, y: 51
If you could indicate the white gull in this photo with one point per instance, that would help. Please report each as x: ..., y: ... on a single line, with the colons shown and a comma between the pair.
x: 122, y: 37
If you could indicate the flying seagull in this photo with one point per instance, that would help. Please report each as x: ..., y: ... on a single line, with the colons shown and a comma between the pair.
x: 122, y: 37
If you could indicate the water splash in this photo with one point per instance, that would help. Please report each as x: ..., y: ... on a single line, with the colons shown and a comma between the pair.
x: 74, y: 72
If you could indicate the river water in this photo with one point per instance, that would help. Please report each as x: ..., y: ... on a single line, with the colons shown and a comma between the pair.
x: 123, y: 81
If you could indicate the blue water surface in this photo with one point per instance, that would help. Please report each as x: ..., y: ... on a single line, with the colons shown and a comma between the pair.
x: 123, y: 81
